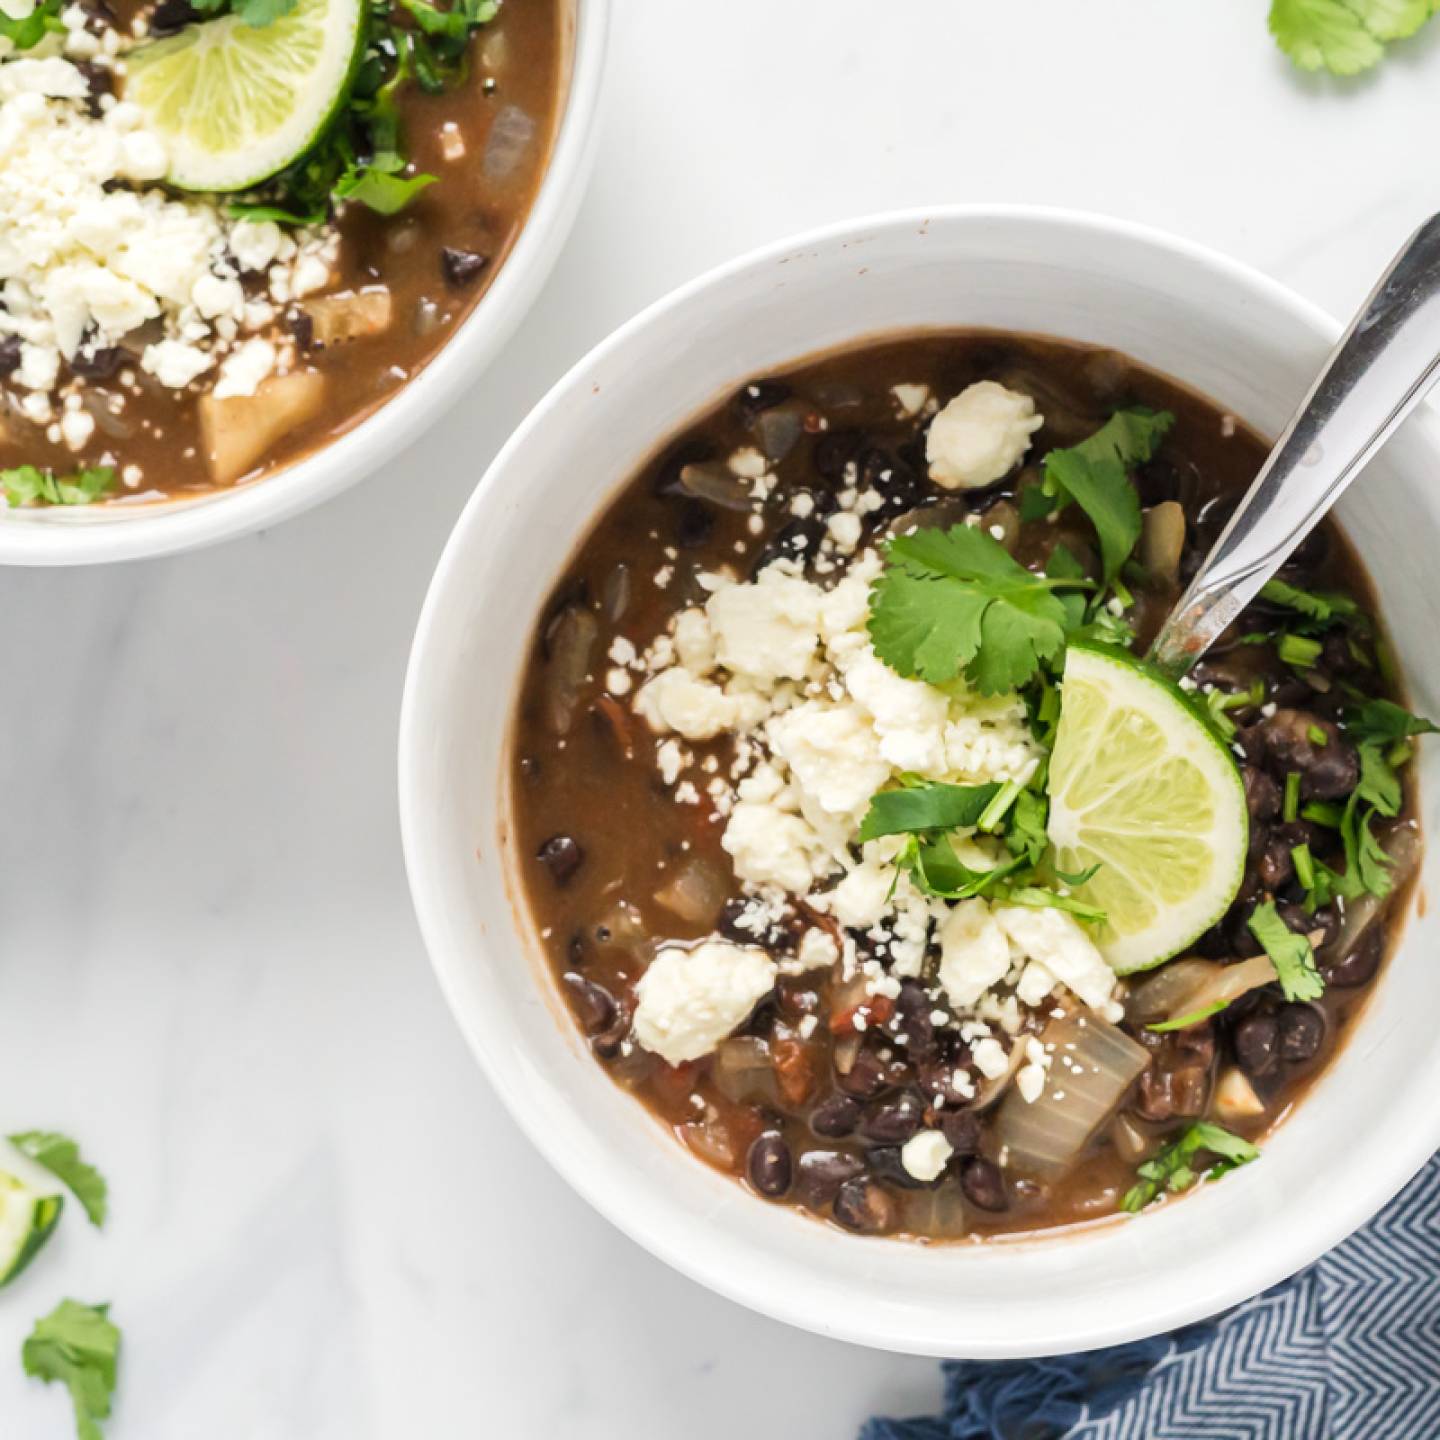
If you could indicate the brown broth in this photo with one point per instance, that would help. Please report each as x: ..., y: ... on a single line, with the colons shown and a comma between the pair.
x: 518, y: 60
x: 595, y: 779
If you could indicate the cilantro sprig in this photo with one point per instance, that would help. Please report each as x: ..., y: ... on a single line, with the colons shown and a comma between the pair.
x: 1344, y: 36
x: 1294, y: 960
x: 1175, y: 1169
x: 77, y: 1346
x: 61, y: 1156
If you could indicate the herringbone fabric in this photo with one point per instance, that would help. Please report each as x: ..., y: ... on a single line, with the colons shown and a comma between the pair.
x: 1347, y: 1350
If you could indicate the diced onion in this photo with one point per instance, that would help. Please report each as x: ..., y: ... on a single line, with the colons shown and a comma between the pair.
x: 1092, y: 1066
x: 1162, y: 538
x: 696, y: 892
x: 745, y: 1071
x: 1186, y: 987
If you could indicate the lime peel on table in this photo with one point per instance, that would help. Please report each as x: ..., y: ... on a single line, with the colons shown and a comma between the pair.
x: 235, y: 103
x: 1140, y: 785
x: 27, y: 1216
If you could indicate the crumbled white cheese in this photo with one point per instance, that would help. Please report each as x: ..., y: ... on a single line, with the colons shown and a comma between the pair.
x: 833, y: 753
x: 910, y: 400
x: 1030, y: 1078
x: 817, y: 950
x: 242, y: 370
x: 769, y: 846
x: 974, y: 952
x: 1056, y: 939
x: 980, y: 436
x: 925, y: 1155
x: 767, y: 629
x: 690, y: 1000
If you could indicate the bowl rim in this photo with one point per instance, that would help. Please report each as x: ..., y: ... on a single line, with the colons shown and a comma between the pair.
x: 1297, y: 1245
x: 114, y: 533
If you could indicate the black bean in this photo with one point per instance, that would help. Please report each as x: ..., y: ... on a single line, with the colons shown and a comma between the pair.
x: 884, y: 1162
x: 1301, y: 740
x: 823, y: 1172
x: 768, y: 1164
x: 302, y: 327
x: 562, y: 856
x: 1301, y: 922
x: 1359, y: 964
x: 834, y: 451
x: 461, y: 267
x: 98, y: 364
x: 9, y: 354
x: 863, y: 1205
x: 666, y: 479
x: 798, y: 540
x: 1262, y: 794
x: 593, y: 1004
x: 694, y: 524
x: 1302, y: 1028
x: 962, y: 1129
x: 1275, y: 864
x: 983, y: 1184
x: 895, y: 1121
x: 1337, y: 656
x: 1257, y: 1043
x: 835, y: 1116
x: 867, y: 1077
x: 171, y: 15
x: 757, y: 397
x: 912, y: 1020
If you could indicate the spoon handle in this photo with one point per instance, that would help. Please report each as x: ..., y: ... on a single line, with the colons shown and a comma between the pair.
x: 1381, y: 369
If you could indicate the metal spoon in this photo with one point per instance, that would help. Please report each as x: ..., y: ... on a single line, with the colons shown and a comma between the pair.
x: 1382, y: 368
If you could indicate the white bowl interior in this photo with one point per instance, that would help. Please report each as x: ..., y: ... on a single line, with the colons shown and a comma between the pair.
x: 1223, y: 330
x: 95, y: 535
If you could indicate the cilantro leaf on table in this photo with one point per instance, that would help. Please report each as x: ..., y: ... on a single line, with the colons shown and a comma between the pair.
x: 1344, y: 36
x: 955, y: 601
x: 60, y: 1155
x: 1173, y: 1168
x: 1095, y: 475
x: 924, y: 805
x: 30, y: 485
x: 79, y: 1346
x: 1290, y: 953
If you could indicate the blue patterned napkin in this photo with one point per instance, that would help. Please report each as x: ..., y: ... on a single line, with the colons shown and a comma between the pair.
x: 1347, y: 1350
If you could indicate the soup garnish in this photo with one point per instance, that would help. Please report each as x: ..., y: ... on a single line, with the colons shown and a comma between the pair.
x: 871, y: 855
x: 230, y: 231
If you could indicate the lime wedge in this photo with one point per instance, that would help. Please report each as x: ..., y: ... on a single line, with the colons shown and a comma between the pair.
x: 26, y: 1220
x: 1140, y: 784
x: 235, y: 102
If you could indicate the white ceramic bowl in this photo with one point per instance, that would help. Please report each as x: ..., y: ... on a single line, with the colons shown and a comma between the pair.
x: 62, y: 536
x: 1370, y: 1122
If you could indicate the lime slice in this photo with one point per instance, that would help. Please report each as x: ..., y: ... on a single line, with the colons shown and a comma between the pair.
x: 26, y: 1219
x: 235, y: 102
x: 1140, y: 784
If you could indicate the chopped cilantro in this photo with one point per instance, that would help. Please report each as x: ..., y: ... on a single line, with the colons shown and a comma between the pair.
x: 79, y: 1346
x: 1385, y: 720
x: 1095, y: 475
x: 1038, y: 897
x: 924, y: 805
x: 955, y: 601
x: 1025, y: 833
x: 30, y: 485
x: 1299, y: 651
x: 1219, y: 702
x: 1324, y: 608
x: 255, y: 13
x: 25, y: 34
x: 1290, y: 806
x: 1174, y: 1169
x: 1290, y: 953
x: 61, y: 1157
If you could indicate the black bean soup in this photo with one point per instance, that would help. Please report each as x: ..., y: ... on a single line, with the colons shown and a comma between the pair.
x: 815, y: 1094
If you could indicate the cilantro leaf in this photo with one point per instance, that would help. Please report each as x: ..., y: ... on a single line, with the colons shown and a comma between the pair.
x: 1384, y: 720
x: 380, y: 191
x: 1173, y: 1169
x: 1025, y: 833
x: 258, y: 13
x: 1290, y: 953
x: 79, y: 1346
x: 1038, y: 897
x: 1324, y: 34
x: 955, y: 600
x: 1095, y: 474
x: 25, y: 34
x: 926, y: 805
x: 29, y: 485
x: 61, y: 1157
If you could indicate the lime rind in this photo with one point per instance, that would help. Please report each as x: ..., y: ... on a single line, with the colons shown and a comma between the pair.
x: 1141, y: 783
x: 27, y: 1218
x: 236, y: 103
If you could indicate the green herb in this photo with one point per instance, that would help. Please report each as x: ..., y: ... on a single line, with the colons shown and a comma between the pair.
x: 1290, y: 953
x: 25, y: 34
x: 256, y: 13
x: 1184, y: 1022
x: 999, y: 807
x: 1174, y: 1169
x: 1343, y: 36
x: 78, y: 1346
x: 1321, y: 812
x: 29, y: 485
x: 1367, y: 866
x: 1304, y: 866
x: 61, y: 1157
x: 1037, y: 897
x: 955, y: 601
x: 1326, y: 608
x: 1094, y: 474
x: 1025, y: 833
x: 1316, y: 736
x: 925, y: 805
x: 937, y: 870
x: 1385, y: 720
x: 1290, y: 807
x: 1219, y: 702
x: 1299, y: 651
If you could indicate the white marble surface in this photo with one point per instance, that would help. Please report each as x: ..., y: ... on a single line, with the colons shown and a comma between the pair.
x: 323, y: 1224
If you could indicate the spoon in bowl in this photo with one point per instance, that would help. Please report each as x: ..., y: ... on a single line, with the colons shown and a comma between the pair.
x: 1382, y: 368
